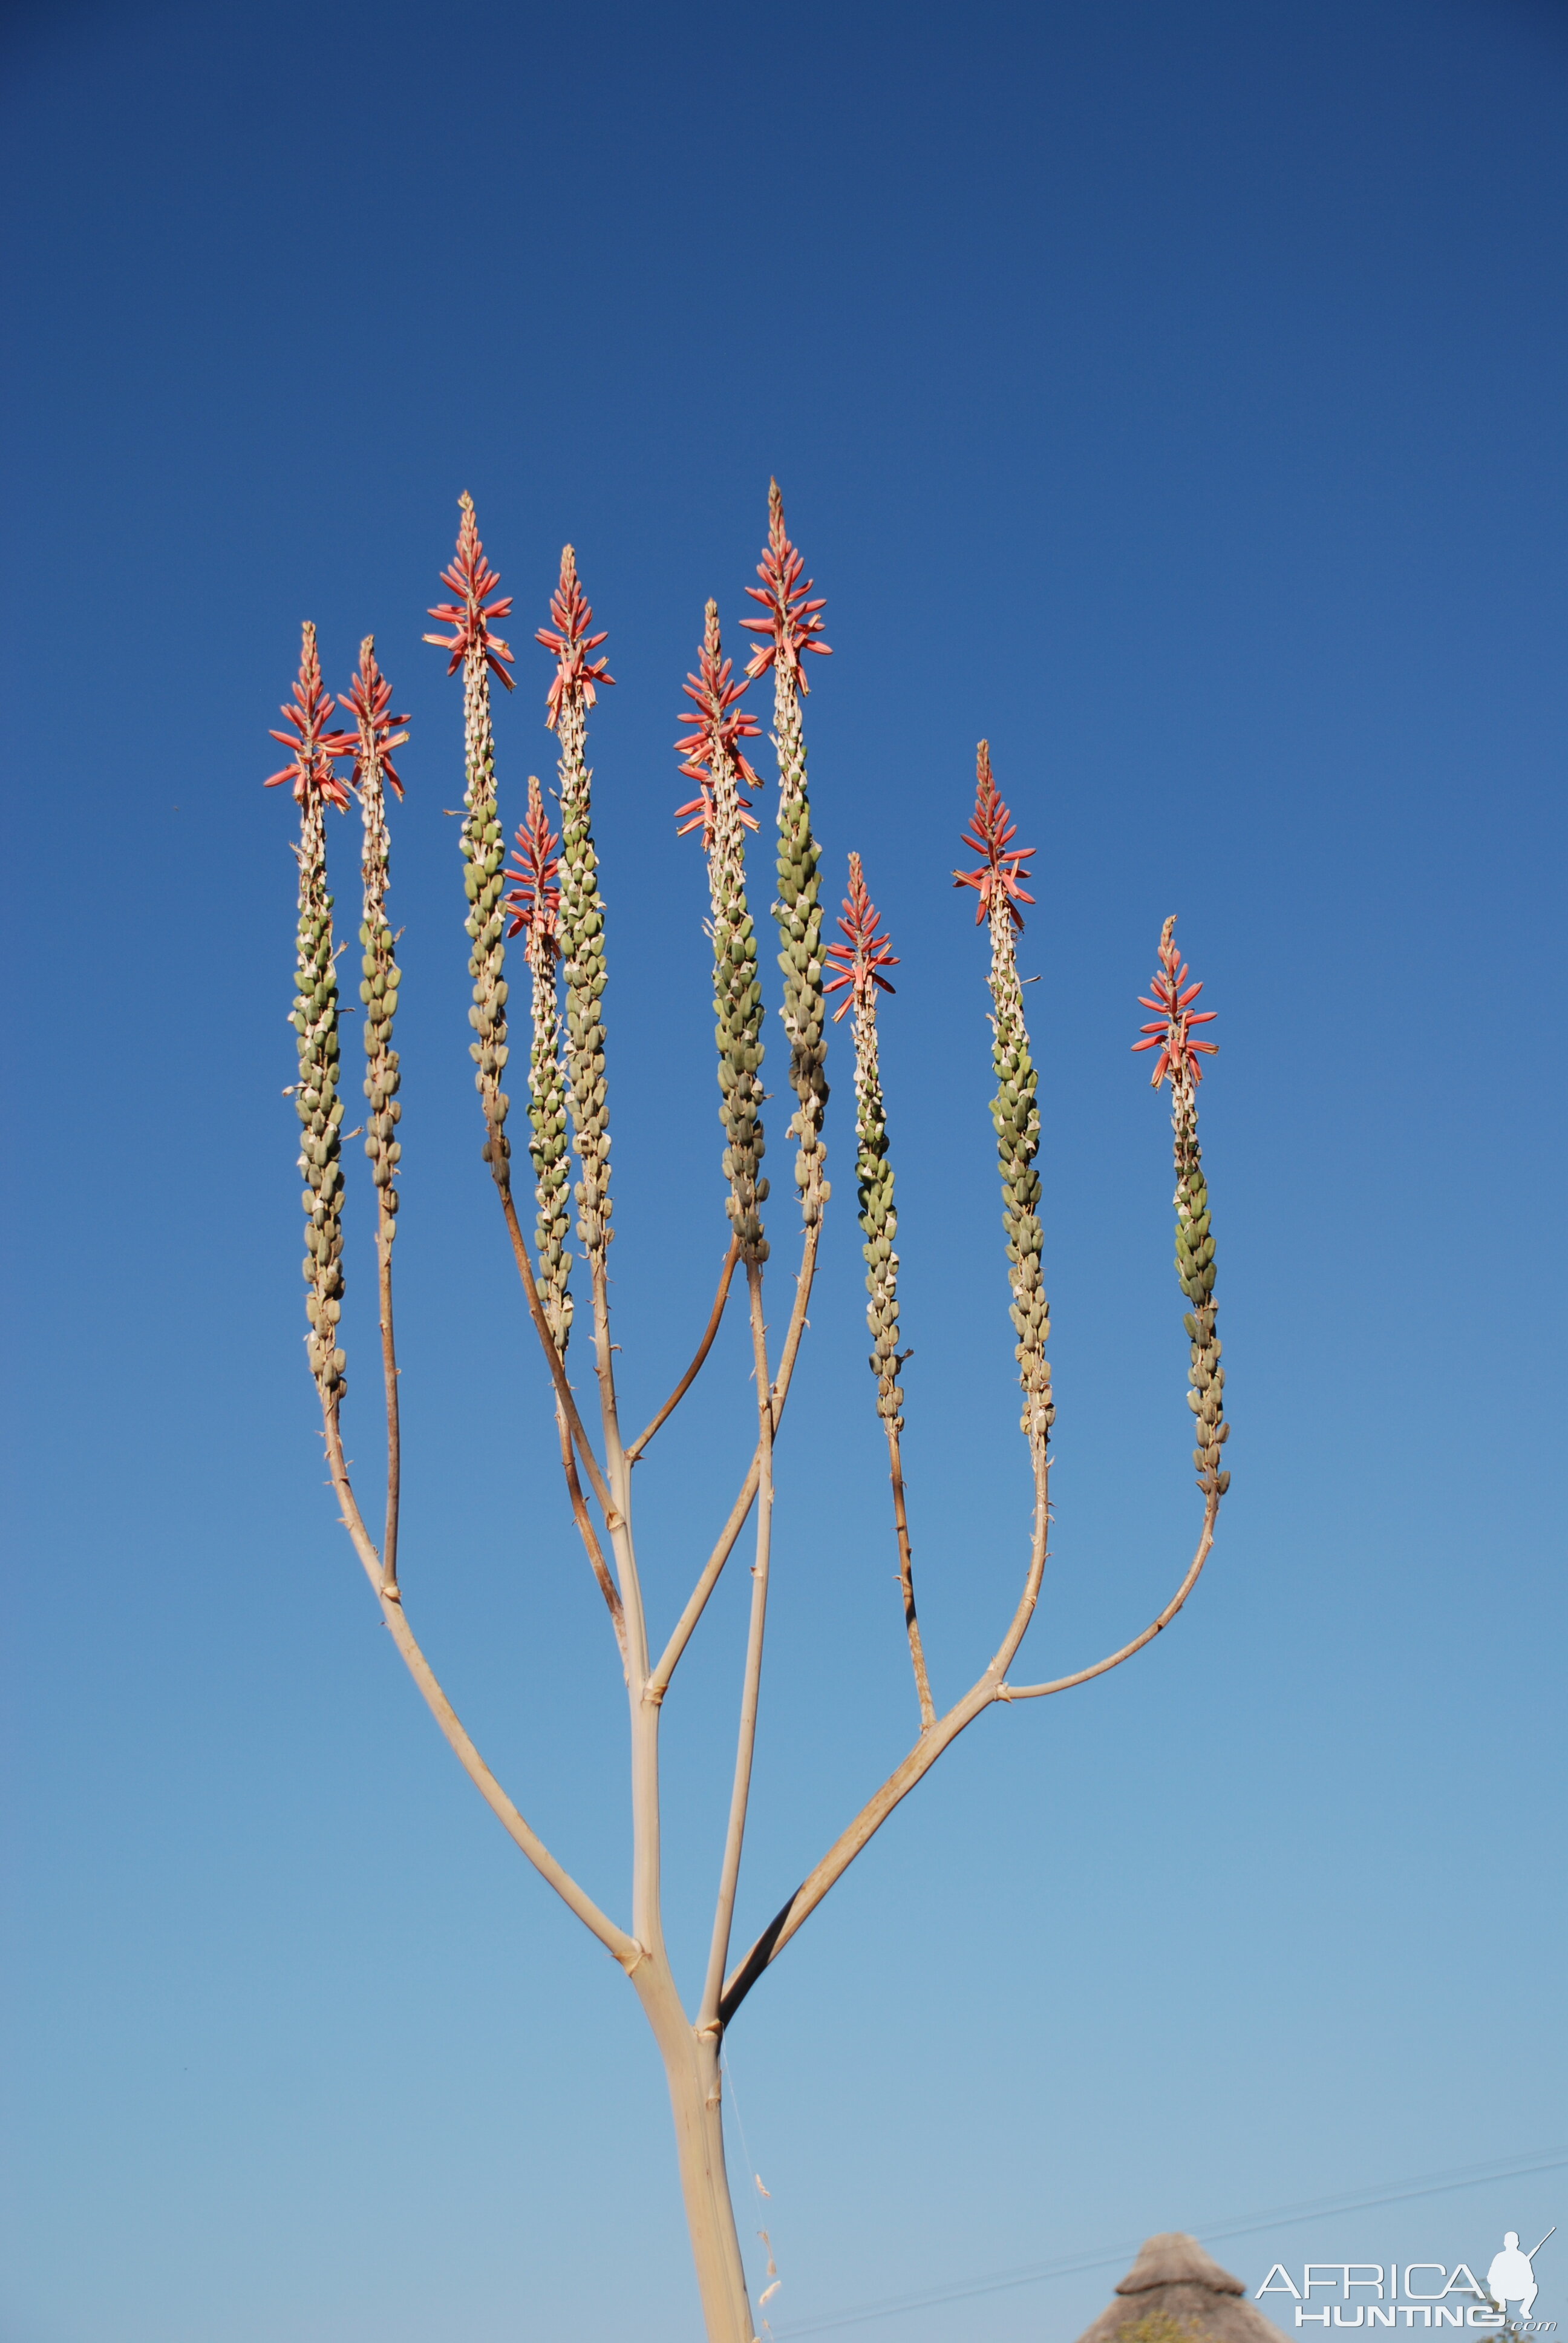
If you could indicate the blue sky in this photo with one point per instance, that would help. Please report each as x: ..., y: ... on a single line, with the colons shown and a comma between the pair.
x: 1173, y: 397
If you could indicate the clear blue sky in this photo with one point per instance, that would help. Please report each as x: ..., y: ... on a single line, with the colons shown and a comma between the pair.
x: 1174, y: 396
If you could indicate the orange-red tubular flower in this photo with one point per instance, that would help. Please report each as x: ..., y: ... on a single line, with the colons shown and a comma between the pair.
x: 862, y: 958
x: 1170, y: 1030
x: 571, y: 642
x: 471, y: 578
x: 718, y: 730
x: 537, y: 896
x: 792, y: 623
x: 1000, y: 878
x: 310, y: 768
x: 371, y: 698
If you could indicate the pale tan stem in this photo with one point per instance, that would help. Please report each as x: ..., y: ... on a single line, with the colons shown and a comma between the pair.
x: 384, y: 1236
x: 695, y: 1369
x: 991, y: 1686
x: 588, y: 1535
x: 604, y: 1368
x: 751, y: 1682
x: 793, y: 1914
x: 659, y: 1683
x: 564, y: 1398
x: 618, y: 1474
x: 691, y: 2066
x: 907, y: 1577
x: 622, y: 1947
x: 1065, y: 1684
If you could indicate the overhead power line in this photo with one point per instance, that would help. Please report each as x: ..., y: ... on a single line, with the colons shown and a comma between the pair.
x: 1397, y: 2192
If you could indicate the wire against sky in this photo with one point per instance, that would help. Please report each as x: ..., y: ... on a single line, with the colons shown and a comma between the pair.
x: 1397, y: 2192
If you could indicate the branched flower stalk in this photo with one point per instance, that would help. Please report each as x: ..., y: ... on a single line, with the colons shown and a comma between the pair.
x: 538, y: 900
x: 480, y: 652
x: 790, y: 628
x: 572, y: 693
x: 865, y: 953
x: 556, y: 906
x: 1015, y: 1109
x: 369, y: 699
x: 711, y: 756
x: 316, y: 785
x: 1170, y: 1031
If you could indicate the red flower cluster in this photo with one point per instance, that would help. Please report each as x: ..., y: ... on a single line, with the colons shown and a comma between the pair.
x: 371, y: 698
x: 471, y: 578
x: 1000, y: 878
x: 791, y: 620
x: 571, y: 642
x: 538, y: 896
x: 1171, y: 1030
x: 311, y: 767
x: 863, y: 957
x: 718, y: 728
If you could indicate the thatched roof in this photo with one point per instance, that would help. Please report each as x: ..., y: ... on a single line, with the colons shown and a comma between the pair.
x: 1176, y: 2293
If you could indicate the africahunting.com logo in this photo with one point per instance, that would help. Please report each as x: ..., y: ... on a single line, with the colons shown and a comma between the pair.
x: 1421, y: 2294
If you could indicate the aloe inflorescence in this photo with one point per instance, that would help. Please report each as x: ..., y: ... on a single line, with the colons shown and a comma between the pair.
x: 369, y: 697
x: 316, y: 785
x: 1170, y: 1031
x: 572, y: 691
x: 1015, y: 1109
x: 711, y: 755
x: 480, y: 653
x: 865, y: 953
x: 538, y: 900
x: 792, y: 628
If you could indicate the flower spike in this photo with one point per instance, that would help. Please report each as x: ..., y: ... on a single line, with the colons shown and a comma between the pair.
x: 792, y: 620
x: 718, y: 728
x: 572, y: 691
x: 863, y: 957
x: 317, y: 1102
x: 471, y: 578
x: 537, y: 896
x: 712, y: 757
x: 798, y: 905
x: 371, y: 698
x: 1171, y: 1029
x: 1001, y: 876
x: 1170, y: 1034
x: 571, y: 642
x: 310, y: 768
x: 1015, y: 1109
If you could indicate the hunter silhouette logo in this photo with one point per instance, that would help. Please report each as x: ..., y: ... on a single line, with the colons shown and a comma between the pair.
x: 1427, y: 2294
x: 1511, y: 2277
